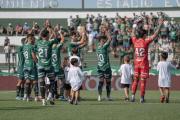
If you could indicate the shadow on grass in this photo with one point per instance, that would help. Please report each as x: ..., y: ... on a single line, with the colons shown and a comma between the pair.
x: 123, y: 102
x: 23, y: 108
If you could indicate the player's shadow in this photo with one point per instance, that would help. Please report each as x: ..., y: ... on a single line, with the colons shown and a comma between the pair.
x: 22, y: 108
x: 158, y: 101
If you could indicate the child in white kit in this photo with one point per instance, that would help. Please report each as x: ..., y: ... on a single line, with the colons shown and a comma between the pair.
x: 75, y: 78
x: 164, y: 81
x: 126, y: 73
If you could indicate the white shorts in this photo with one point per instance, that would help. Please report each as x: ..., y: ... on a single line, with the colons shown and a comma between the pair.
x: 47, y: 81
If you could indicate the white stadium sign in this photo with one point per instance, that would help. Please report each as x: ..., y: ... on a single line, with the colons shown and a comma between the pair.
x: 88, y: 3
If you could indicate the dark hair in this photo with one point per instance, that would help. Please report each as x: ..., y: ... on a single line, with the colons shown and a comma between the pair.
x: 127, y: 58
x: 74, y: 61
x: 102, y: 37
x: 75, y: 51
x: 44, y: 33
x: 30, y: 35
x: 141, y: 33
x: 164, y: 55
x: 23, y: 40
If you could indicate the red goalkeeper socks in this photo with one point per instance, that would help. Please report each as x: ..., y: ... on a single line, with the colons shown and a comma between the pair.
x: 143, y: 87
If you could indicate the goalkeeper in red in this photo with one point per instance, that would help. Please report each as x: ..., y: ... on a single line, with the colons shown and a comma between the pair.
x: 141, y: 42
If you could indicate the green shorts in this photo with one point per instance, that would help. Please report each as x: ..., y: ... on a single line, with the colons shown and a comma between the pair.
x: 42, y: 73
x: 59, y: 74
x: 20, y: 73
x: 107, y: 74
x: 30, y: 74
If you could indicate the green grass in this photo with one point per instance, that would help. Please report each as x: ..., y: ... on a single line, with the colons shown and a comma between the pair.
x: 90, y: 109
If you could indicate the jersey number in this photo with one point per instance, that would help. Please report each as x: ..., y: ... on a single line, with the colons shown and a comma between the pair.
x: 54, y: 57
x: 101, y: 58
x: 26, y: 55
x: 140, y: 52
x: 43, y: 53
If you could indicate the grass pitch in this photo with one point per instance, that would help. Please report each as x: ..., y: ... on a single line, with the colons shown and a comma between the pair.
x: 90, y: 109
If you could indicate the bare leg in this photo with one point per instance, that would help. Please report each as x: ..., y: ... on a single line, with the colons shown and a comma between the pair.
x: 161, y: 89
x: 72, y: 96
x: 76, y: 96
x: 126, y: 91
x: 167, y: 92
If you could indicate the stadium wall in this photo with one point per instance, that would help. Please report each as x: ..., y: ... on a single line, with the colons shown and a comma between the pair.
x: 22, y: 15
x: 91, y: 83
x: 65, y: 13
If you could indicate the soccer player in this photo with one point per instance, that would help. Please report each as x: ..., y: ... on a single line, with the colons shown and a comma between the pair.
x: 126, y: 72
x: 75, y: 78
x: 20, y: 73
x: 141, y: 63
x: 103, y: 67
x: 164, y: 82
x: 45, y: 69
x: 75, y: 43
x: 56, y: 63
x: 30, y: 70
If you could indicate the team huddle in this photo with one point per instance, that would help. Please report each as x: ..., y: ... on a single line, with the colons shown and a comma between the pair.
x: 40, y: 67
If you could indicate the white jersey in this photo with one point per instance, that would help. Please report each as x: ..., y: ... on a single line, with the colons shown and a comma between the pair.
x: 75, y: 77
x: 69, y: 21
x: 90, y: 39
x: 126, y: 72
x: 89, y: 27
x: 164, y: 69
x: 66, y: 70
x: 77, y: 57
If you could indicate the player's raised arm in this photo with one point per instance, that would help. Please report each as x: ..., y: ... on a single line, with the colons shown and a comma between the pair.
x: 108, y: 35
x: 83, y: 38
x: 82, y: 45
x: 133, y: 30
x: 62, y: 37
x: 158, y: 29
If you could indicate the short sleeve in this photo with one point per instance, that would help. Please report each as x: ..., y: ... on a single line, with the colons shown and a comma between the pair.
x: 158, y: 67
x: 132, y: 71
x: 33, y: 49
x: 81, y: 74
x: 148, y: 40
x: 106, y: 45
x: 60, y: 45
x: 53, y: 41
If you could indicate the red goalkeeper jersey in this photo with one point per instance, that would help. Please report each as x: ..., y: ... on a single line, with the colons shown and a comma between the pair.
x: 141, y: 51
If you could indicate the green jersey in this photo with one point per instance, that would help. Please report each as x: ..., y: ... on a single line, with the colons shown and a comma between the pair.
x: 173, y: 35
x: 74, y: 45
x: 164, y: 31
x: 56, y: 57
x: 20, y: 57
x: 29, y: 63
x: 103, y: 57
x: 44, y: 52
